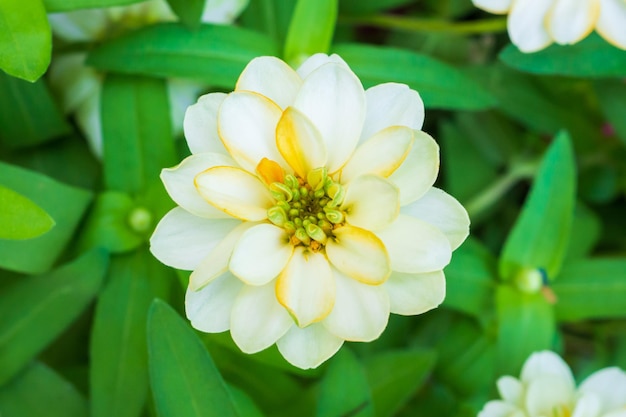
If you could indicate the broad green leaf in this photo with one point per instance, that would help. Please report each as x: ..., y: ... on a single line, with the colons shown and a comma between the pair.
x: 20, y: 218
x: 310, y: 30
x: 440, y: 85
x: 244, y: 406
x: 36, y: 310
x: 271, y: 17
x: 370, y: 6
x: 183, y: 377
x: 525, y: 325
x: 344, y: 390
x: 540, y: 236
x: 188, y: 11
x: 136, y: 131
x: 470, y: 280
x: 395, y: 376
x: 591, y: 289
x: 591, y: 57
x: 39, y: 391
x: 611, y: 95
x: 25, y: 39
x: 119, y: 363
x: 63, y: 203
x: 29, y: 114
x: 213, y: 54
x: 66, y: 5
x: 586, y: 229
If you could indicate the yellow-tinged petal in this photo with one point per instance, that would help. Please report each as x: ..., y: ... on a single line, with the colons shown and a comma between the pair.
x: 412, y: 294
x: 200, y: 124
x: 270, y: 171
x: 235, y: 191
x: 526, y: 24
x: 494, y: 6
x: 371, y: 202
x: 569, y: 21
x: 272, y: 78
x: 299, y: 142
x: 359, y: 254
x: 306, y: 287
x: 307, y: 348
x: 610, y: 23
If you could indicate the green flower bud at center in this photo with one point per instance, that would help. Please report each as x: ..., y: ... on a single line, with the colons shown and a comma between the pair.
x: 529, y: 280
x: 140, y: 220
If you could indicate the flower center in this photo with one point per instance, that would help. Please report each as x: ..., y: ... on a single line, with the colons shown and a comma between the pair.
x: 308, y: 209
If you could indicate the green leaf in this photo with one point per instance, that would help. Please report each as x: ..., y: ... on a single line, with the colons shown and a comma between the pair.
x: 525, y: 324
x: 370, y: 6
x: 271, y: 17
x: 29, y: 114
x: 188, y: 11
x: 540, y: 236
x: 213, y: 54
x: 40, y: 391
x: 20, y: 218
x: 611, y: 95
x: 310, y: 30
x: 66, y: 5
x: 136, y: 131
x: 344, y: 390
x: 25, y: 39
x: 586, y: 229
x: 592, y: 57
x: 37, y: 309
x: 591, y: 289
x: 439, y: 84
x: 395, y: 376
x: 119, y: 361
x: 184, y: 379
x: 63, y: 203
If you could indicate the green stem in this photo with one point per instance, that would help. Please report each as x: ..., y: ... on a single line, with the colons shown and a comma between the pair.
x: 494, y: 25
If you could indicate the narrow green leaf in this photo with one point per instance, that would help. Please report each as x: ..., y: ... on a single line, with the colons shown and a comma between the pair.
x: 591, y: 289
x: 540, y: 236
x: 213, y: 54
x: 67, y: 5
x: 586, y: 228
x: 36, y: 310
x: 591, y: 57
x: 188, y: 11
x: 395, y: 376
x: 63, y: 203
x: 136, y: 131
x: 271, y: 17
x: 370, y: 6
x: 344, y: 390
x: 439, y: 84
x: 40, y: 391
x: 29, y: 114
x: 611, y: 95
x: 20, y: 218
x: 25, y: 39
x: 525, y: 325
x: 184, y: 379
x: 310, y: 30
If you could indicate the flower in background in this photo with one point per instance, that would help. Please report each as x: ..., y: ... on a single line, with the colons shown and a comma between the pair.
x: 533, y: 25
x: 546, y: 388
x: 307, y: 211
x: 79, y: 86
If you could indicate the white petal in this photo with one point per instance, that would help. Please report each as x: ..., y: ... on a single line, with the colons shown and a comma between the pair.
x: 442, y: 211
x: 200, y: 125
x: 371, y: 202
x: 359, y: 254
x: 332, y: 97
x: 569, y: 21
x: 235, y: 191
x: 381, y: 155
x: 544, y: 363
x: 179, y: 183
x: 182, y: 240
x: 216, y: 263
x: 499, y: 408
x: 617, y: 413
x: 392, y: 104
x: 257, y: 320
x: 222, y: 11
x: 309, y: 347
x: 361, y: 311
x: 494, y: 6
x: 587, y: 406
x: 548, y: 393
x: 306, y: 287
x: 415, y: 246
x: 247, y: 126
x: 412, y: 294
x: 609, y: 384
x: 90, y: 123
x: 317, y: 60
x: 300, y: 143
x: 272, y: 78
x: 72, y: 80
x: 260, y: 254
x: 79, y: 25
x: 511, y: 390
x: 611, y: 22
x: 526, y: 24
x: 209, y: 309
x: 419, y: 170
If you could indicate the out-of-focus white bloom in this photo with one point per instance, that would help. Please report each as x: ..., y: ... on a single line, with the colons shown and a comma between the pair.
x: 546, y: 388
x: 307, y: 211
x: 535, y: 24
x: 79, y: 86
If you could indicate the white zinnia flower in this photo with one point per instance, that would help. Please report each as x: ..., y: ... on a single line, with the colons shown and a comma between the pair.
x: 307, y: 211
x: 535, y: 24
x: 80, y: 86
x: 546, y: 388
